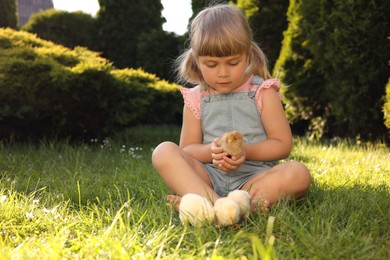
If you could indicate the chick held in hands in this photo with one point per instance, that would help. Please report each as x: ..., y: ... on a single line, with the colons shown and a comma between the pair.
x: 233, y: 143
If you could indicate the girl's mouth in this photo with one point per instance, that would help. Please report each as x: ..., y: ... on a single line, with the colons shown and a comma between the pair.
x: 223, y: 83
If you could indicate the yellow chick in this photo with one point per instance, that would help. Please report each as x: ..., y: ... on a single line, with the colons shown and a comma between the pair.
x: 243, y: 199
x: 227, y: 212
x: 232, y: 142
x: 196, y: 209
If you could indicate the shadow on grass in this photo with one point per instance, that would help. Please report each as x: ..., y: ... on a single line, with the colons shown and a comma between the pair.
x: 334, y: 223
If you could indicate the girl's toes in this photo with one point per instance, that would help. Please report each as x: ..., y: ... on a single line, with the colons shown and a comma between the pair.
x: 174, y: 201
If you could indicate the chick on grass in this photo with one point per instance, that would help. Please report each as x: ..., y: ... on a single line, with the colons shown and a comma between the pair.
x: 226, y: 211
x: 243, y: 199
x: 196, y: 210
x: 233, y: 208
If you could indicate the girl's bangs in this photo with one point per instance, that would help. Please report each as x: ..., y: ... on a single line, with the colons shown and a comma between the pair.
x: 219, y: 44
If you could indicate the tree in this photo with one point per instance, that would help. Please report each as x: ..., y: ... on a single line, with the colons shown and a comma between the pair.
x: 8, y: 16
x: 334, y: 59
x: 304, y: 103
x: 268, y: 19
x: 121, y: 22
x: 386, y: 110
x: 67, y: 28
x: 156, y: 52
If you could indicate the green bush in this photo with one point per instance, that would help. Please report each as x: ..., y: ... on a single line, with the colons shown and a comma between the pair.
x: 334, y: 60
x: 156, y: 51
x: 386, y: 107
x: 121, y: 23
x: 48, y: 90
x: 160, y: 103
x: 268, y: 20
x: 298, y: 69
x: 8, y: 13
x: 65, y: 28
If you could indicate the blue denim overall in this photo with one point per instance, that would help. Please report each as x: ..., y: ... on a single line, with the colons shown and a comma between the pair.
x: 221, y: 113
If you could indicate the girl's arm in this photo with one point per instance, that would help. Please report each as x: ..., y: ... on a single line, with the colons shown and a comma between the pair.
x: 279, y: 137
x: 191, y: 137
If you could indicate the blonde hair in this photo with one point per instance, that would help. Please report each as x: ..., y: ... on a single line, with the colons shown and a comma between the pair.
x: 220, y: 30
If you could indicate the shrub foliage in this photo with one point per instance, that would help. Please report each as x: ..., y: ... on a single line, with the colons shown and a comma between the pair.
x: 70, y: 29
x: 120, y: 24
x: 124, y: 32
x: 268, y: 21
x: 334, y: 60
x: 8, y: 13
x: 49, y: 90
x: 386, y: 107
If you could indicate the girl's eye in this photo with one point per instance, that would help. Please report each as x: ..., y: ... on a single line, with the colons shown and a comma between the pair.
x: 211, y: 65
x: 234, y: 62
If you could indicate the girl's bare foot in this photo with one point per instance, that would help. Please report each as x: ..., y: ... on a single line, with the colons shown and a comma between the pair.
x: 262, y: 205
x: 174, y: 201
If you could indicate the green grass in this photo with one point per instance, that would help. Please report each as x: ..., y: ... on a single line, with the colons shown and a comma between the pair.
x: 104, y: 200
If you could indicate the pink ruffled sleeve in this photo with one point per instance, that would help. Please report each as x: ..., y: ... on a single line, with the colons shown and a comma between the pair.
x: 266, y: 84
x: 192, y: 98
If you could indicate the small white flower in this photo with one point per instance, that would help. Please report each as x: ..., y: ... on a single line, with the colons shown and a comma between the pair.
x: 52, y: 211
x: 29, y: 215
x: 3, y: 198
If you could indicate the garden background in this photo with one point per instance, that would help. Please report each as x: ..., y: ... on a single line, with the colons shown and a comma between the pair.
x: 84, y: 100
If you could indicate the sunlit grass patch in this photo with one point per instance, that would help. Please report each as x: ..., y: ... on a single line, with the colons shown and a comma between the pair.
x: 103, y: 200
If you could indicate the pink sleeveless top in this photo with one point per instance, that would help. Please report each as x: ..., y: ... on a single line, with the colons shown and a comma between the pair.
x: 193, y: 96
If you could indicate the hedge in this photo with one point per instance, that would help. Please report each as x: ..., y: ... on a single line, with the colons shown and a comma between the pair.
x: 47, y: 90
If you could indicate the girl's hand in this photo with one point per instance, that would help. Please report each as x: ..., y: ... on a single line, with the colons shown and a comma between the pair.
x: 223, y: 160
x: 232, y: 163
x: 217, y: 153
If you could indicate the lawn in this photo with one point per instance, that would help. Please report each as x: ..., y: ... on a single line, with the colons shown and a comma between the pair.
x: 104, y: 200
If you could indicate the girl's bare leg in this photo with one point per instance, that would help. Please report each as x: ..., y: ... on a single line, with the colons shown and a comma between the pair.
x: 291, y: 180
x: 181, y: 173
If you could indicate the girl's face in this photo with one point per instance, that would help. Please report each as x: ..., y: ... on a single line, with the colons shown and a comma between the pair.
x: 224, y: 74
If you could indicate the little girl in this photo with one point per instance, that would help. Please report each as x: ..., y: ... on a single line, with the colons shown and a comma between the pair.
x: 234, y: 91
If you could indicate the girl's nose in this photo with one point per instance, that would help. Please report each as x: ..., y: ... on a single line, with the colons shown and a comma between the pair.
x: 223, y: 71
